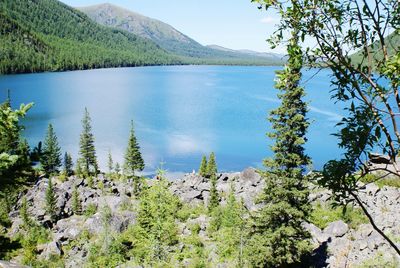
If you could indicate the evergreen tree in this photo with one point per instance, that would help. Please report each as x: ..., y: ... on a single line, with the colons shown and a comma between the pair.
x: 86, y: 145
x: 203, y: 167
x: 23, y: 212
x: 51, y: 201
x: 133, y: 157
x: 117, y: 169
x: 110, y: 163
x: 277, y: 235
x: 76, y: 202
x: 68, y: 164
x: 212, y: 173
x: 51, y: 158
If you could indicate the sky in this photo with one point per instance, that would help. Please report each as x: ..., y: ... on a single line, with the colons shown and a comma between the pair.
x: 236, y: 24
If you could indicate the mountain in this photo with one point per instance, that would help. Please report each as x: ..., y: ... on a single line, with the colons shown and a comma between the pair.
x: 393, y: 45
x: 47, y: 35
x: 273, y: 56
x: 171, y: 39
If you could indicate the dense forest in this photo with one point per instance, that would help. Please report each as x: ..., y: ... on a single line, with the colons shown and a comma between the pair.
x: 48, y: 35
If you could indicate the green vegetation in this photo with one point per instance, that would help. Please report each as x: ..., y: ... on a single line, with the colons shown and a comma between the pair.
x: 68, y: 164
x: 49, y: 35
x: 381, y: 181
x: 51, y: 201
x: 86, y: 145
x: 133, y: 159
x: 51, y: 157
x: 323, y: 214
x: 203, y: 166
x: 212, y: 174
x: 76, y: 202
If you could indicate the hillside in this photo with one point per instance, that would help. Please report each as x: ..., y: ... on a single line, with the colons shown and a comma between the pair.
x: 393, y: 45
x: 171, y: 39
x: 42, y: 35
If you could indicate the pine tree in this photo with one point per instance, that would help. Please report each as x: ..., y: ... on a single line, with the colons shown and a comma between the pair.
x: 110, y: 163
x: 212, y: 173
x: 117, y: 169
x: 203, y: 167
x: 51, y: 158
x: 133, y: 157
x: 23, y: 212
x: 76, y: 202
x: 68, y: 164
x: 51, y: 201
x: 86, y: 145
x: 277, y: 234
x: 133, y: 160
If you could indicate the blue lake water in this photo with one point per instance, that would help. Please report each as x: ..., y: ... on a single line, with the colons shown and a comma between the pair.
x: 179, y: 112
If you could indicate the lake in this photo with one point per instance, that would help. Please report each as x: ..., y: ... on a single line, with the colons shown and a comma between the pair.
x: 179, y: 112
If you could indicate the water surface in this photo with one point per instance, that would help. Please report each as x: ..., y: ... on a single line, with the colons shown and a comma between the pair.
x: 179, y: 112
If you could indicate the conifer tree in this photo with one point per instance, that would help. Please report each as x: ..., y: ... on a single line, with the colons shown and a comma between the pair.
x: 76, y: 202
x: 203, y: 167
x: 133, y: 157
x: 117, y: 169
x: 51, y: 158
x: 51, y: 201
x: 110, y: 163
x: 68, y: 164
x: 86, y: 145
x: 23, y: 212
x: 212, y: 173
x: 277, y: 235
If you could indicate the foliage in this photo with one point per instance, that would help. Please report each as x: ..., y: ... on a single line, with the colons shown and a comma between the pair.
x: 277, y: 237
x: 68, y: 164
x: 23, y: 212
x: 14, y: 157
x: 86, y: 145
x: 379, y: 261
x: 203, y: 166
x: 76, y: 202
x: 323, y: 214
x: 190, y: 211
x: 156, y: 231
x: 48, y: 35
x: 380, y: 180
x: 51, y: 157
x: 133, y: 158
x: 110, y: 163
x: 212, y: 174
x: 90, y: 210
x: 51, y: 201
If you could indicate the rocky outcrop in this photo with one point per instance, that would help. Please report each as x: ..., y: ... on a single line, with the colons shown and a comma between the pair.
x: 337, y: 245
x: 247, y: 185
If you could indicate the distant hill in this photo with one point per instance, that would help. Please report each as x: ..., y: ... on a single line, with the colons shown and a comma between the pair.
x: 47, y: 35
x: 171, y: 39
x: 272, y: 56
x: 393, y: 46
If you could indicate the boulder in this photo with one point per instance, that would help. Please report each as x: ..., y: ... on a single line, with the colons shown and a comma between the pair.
x: 336, y: 229
x: 6, y: 264
x: 376, y: 158
x: 50, y: 249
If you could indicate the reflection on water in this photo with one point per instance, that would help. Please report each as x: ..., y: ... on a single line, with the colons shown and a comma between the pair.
x: 179, y: 112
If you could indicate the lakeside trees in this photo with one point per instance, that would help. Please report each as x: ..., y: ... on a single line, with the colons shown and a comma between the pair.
x: 51, y: 156
x: 87, y: 149
x: 352, y: 40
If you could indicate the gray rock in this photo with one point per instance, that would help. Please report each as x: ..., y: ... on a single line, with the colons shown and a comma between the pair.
x: 51, y: 249
x: 316, y: 233
x: 6, y: 264
x: 336, y: 229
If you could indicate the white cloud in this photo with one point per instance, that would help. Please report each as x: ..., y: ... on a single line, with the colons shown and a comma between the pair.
x: 268, y: 20
x: 179, y: 144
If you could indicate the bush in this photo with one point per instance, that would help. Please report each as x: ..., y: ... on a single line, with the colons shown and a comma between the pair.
x: 322, y: 215
x: 90, y: 210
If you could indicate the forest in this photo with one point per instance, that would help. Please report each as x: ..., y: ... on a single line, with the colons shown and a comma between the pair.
x: 285, y: 227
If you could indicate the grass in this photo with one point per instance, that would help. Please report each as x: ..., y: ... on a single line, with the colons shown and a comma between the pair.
x: 379, y: 261
x: 388, y: 181
x: 323, y: 214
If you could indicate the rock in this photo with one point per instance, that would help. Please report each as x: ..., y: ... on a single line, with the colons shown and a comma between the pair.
x: 6, y: 264
x: 336, y: 229
x: 376, y: 158
x: 51, y: 249
x: 371, y: 189
x: 69, y: 229
x: 315, y: 232
x: 250, y: 175
x: 190, y: 195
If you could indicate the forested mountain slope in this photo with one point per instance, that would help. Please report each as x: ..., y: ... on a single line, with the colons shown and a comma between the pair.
x: 171, y: 39
x: 41, y: 35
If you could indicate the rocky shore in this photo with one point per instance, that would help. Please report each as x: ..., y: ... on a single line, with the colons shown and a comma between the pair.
x: 336, y: 245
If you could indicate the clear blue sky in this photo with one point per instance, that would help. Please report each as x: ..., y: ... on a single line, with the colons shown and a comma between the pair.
x: 236, y: 24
